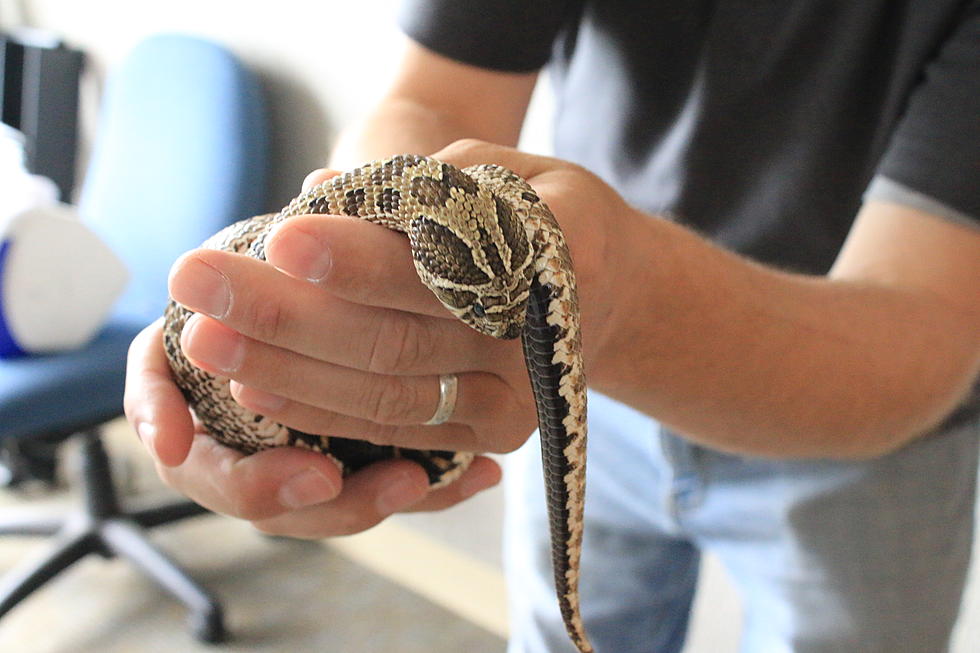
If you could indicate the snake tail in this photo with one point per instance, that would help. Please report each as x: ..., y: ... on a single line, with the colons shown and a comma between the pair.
x: 562, y: 456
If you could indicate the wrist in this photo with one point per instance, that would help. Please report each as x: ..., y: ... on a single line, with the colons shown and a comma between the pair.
x: 624, y: 279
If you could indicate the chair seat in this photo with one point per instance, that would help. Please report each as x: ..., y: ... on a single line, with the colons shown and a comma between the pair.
x: 44, y: 394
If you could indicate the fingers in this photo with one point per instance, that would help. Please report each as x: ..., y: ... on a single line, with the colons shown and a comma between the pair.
x: 482, y: 474
x: 258, y: 486
x: 298, y: 493
x: 495, y: 431
x: 344, y: 359
x: 369, y: 264
x: 354, y: 259
x: 153, y: 404
x: 371, y: 495
x: 368, y: 497
x: 265, y: 305
x: 383, y: 398
x: 328, y: 399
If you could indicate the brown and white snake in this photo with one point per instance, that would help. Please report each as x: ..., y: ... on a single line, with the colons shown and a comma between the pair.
x: 491, y: 251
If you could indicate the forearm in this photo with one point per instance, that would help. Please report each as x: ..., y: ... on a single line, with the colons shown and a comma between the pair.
x: 750, y: 359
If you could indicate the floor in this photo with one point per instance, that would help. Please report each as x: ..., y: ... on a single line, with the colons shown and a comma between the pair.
x: 349, y: 595
x: 280, y: 595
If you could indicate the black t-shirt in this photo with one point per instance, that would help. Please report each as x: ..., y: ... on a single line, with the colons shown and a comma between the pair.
x: 761, y: 123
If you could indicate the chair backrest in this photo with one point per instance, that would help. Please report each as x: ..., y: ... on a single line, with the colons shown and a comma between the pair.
x: 180, y: 152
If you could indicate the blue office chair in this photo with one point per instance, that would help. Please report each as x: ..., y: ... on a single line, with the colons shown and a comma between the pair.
x: 180, y: 152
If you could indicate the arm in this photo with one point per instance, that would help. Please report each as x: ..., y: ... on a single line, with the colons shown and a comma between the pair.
x: 733, y: 354
x: 754, y: 360
x: 751, y: 358
x: 760, y: 361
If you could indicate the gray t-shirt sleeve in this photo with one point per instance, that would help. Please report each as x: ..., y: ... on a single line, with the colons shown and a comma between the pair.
x: 935, y: 150
x: 507, y: 35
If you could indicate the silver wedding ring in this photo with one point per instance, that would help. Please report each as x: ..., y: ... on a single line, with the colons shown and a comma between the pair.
x: 448, y: 385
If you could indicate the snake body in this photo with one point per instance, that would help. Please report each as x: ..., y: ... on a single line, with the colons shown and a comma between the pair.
x: 492, y: 252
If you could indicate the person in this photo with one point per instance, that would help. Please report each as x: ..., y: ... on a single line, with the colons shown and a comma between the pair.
x: 772, y: 211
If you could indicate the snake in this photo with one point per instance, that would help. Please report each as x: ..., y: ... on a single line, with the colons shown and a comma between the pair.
x: 488, y: 247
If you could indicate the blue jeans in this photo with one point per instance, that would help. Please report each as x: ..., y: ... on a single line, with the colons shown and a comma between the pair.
x: 854, y: 557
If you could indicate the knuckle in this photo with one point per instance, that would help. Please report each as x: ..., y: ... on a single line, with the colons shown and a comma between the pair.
x: 465, y: 146
x: 246, y: 510
x: 380, y: 435
x: 494, y: 442
x: 250, y: 504
x: 508, y: 444
x: 390, y: 401
x: 468, y: 150
x: 400, y: 345
x: 242, y: 503
x: 504, y: 436
x: 266, y: 321
x: 348, y: 277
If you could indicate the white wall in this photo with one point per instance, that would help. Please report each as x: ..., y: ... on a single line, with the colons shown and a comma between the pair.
x: 322, y: 62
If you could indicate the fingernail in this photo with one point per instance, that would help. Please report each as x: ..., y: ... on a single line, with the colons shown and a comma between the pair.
x: 223, y: 351
x: 202, y: 288
x: 400, y: 494
x: 302, y: 255
x: 307, y: 488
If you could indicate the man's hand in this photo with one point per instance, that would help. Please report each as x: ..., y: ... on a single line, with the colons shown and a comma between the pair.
x: 338, y: 336
x: 284, y: 491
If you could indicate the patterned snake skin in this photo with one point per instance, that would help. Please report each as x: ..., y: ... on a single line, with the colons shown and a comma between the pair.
x: 494, y: 255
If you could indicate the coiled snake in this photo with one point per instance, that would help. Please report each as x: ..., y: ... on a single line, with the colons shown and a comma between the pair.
x: 491, y: 251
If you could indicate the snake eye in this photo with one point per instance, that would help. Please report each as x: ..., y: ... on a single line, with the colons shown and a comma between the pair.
x: 478, y: 310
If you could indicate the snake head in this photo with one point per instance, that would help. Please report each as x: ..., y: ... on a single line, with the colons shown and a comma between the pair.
x: 491, y: 314
x: 471, y: 248
x: 491, y: 299
x: 483, y: 283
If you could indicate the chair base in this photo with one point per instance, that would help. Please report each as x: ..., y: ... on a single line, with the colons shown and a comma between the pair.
x: 105, y: 529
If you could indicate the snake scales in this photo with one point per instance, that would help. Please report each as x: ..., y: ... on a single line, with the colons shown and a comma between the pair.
x: 491, y: 251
